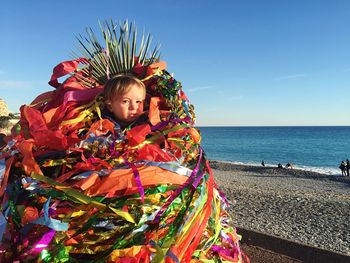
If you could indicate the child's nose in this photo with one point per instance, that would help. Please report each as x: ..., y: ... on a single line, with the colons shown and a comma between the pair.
x: 133, y: 106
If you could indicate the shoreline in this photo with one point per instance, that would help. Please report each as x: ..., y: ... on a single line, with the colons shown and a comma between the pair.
x: 334, y: 171
x: 301, y: 206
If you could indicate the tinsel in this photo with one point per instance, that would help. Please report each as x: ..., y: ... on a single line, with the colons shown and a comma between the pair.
x: 77, y: 188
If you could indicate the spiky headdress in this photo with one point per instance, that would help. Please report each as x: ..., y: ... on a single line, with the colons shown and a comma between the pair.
x: 119, y: 54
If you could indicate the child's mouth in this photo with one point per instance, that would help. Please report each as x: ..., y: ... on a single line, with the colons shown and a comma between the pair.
x: 132, y: 116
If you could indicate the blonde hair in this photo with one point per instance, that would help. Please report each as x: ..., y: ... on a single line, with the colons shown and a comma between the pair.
x: 121, y: 84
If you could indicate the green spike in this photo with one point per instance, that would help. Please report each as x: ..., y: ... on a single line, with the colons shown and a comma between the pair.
x: 119, y: 52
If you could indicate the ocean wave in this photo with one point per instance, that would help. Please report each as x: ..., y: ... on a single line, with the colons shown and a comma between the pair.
x: 321, y: 170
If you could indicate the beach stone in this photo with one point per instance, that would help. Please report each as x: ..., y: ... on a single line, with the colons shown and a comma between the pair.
x: 293, y: 204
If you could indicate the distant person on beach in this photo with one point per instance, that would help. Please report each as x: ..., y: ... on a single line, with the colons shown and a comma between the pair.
x: 347, y: 167
x: 289, y: 166
x: 342, y: 167
x: 279, y: 165
x: 263, y: 163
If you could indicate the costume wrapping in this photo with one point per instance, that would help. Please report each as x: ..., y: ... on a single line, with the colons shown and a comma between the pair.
x: 75, y: 187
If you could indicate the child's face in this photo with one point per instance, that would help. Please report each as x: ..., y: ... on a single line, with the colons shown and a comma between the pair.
x: 129, y: 106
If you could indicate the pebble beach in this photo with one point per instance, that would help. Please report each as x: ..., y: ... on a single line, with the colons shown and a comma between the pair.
x: 301, y: 206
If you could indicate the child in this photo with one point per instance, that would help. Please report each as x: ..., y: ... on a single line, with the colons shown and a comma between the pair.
x: 124, y: 98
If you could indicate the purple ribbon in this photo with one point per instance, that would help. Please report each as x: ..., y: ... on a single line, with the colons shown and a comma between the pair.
x: 137, y: 178
x: 164, y: 123
x: 198, y: 179
x: 224, y: 251
x: 223, y: 196
x: 114, y: 153
x: 178, y: 191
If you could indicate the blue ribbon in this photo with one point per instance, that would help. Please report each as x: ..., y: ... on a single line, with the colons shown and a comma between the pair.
x: 50, y: 222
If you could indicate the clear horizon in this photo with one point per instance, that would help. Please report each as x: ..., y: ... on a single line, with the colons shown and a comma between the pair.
x: 241, y: 63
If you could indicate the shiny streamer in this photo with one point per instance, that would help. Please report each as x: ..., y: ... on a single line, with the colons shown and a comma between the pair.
x: 75, y: 187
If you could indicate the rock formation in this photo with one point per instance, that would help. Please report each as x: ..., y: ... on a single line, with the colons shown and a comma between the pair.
x: 3, y: 108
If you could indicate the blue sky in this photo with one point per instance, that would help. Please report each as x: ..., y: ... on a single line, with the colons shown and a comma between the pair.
x: 240, y: 62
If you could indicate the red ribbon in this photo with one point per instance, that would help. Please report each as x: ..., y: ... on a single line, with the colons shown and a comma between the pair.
x: 64, y: 68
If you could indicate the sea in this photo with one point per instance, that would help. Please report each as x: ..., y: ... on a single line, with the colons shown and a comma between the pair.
x: 312, y: 148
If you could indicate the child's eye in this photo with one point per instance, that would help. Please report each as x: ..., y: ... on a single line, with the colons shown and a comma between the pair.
x: 125, y: 101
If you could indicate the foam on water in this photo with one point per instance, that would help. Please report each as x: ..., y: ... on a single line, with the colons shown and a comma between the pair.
x: 321, y: 170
